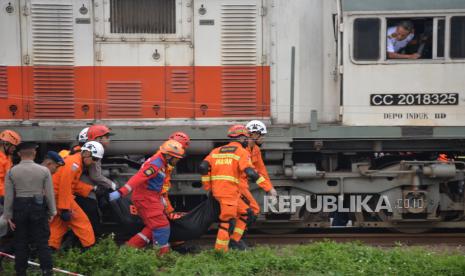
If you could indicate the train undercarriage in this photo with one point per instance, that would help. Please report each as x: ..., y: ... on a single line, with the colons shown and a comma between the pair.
x: 340, y: 166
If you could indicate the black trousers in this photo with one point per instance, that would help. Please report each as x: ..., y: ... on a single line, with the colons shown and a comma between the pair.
x: 32, y: 226
x: 90, y: 207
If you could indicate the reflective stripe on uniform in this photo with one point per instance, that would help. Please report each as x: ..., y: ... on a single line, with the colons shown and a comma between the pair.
x: 205, y: 178
x: 260, y: 180
x: 222, y: 242
x: 226, y: 155
x: 129, y: 188
x: 225, y: 177
x: 239, y: 231
x: 144, y: 237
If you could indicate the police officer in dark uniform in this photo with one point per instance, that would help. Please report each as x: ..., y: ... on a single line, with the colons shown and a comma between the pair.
x: 29, y: 205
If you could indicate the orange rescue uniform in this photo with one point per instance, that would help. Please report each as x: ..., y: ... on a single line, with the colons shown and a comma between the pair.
x: 5, y: 165
x: 227, y: 165
x: 65, y: 182
x: 247, y: 198
x: 65, y: 153
x: 259, y: 165
x: 263, y: 182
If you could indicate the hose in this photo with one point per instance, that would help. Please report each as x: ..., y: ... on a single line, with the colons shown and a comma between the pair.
x: 38, y: 265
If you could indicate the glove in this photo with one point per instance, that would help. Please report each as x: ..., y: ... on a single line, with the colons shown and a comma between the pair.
x: 175, y: 215
x: 65, y: 215
x: 273, y: 192
x: 114, y: 195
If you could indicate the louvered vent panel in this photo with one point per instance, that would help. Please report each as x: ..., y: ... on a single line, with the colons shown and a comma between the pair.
x: 239, y: 86
x: 239, y: 34
x: 3, y: 82
x: 124, y: 99
x: 239, y: 58
x: 53, y: 60
x: 180, y: 81
x: 53, y: 92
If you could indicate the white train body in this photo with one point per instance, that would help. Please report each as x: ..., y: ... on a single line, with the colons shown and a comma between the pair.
x: 328, y: 78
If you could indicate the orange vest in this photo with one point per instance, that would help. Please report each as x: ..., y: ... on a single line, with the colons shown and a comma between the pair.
x: 227, y: 164
x: 257, y: 161
x: 5, y: 165
x: 65, y: 179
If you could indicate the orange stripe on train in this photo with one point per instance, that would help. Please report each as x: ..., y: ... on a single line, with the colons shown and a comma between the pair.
x: 131, y: 92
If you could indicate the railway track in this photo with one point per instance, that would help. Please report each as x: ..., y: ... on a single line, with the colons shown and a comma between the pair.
x: 377, y: 239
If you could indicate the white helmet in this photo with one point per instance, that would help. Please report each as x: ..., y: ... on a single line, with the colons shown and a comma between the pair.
x: 95, y: 148
x: 256, y: 126
x: 82, y: 137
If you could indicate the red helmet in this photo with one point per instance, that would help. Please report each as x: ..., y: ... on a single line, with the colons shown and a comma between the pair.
x: 96, y: 131
x: 11, y: 137
x: 173, y: 148
x: 238, y: 130
x: 181, y: 137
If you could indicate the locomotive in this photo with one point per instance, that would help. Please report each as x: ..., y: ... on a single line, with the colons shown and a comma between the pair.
x: 343, y: 118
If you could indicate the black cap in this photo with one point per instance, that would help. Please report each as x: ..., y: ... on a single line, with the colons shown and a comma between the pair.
x: 27, y: 146
x: 54, y: 156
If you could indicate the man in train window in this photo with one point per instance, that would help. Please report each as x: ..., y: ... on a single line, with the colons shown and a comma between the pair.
x: 398, y: 37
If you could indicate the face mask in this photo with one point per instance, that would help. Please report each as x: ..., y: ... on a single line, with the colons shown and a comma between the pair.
x: 244, y: 143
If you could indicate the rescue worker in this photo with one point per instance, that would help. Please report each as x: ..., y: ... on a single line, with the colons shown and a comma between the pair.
x: 8, y: 142
x: 70, y: 215
x: 221, y: 173
x: 147, y: 185
x: 93, y: 175
x: 184, y: 140
x: 144, y: 237
x: 257, y: 130
x: 29, y: 206
x: 81, y: 138
x: 53, y: 161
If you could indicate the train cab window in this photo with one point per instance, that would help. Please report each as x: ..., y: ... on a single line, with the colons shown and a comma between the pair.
x: 366, y: 39
x: 143, y: 16
x: 410, y: 38
x: 457, y: 37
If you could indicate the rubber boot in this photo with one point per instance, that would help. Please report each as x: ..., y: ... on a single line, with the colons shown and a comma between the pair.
x: 163, y: 250
x: 240, y: 245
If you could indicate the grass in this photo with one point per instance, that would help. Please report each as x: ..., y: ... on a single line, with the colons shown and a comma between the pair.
x: 322, y: 258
